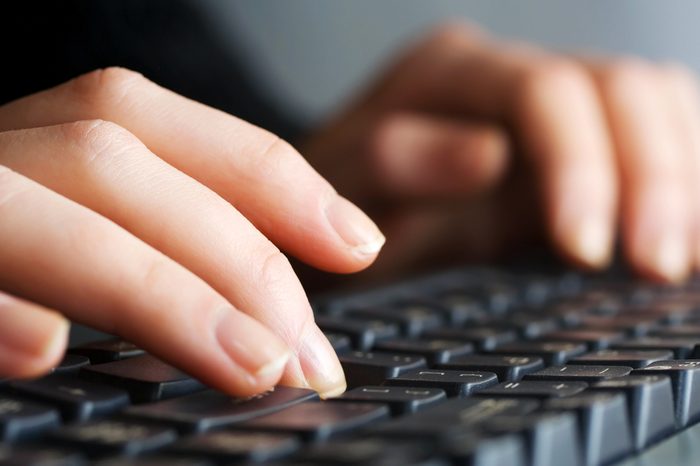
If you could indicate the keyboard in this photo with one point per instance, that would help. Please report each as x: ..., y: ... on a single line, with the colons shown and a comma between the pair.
x: 473, y: 367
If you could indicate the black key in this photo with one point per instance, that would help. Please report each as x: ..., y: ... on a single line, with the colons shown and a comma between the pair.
x: 475, y: 450
x: 365, y: 451
x: 412, y: 321
x: 229, y: 446
x: 527, y: 324
x: 455, y: 383
x: 110, y: 437
x: 452, y: 311
x: 632, y: 325
x: 401, y: 400
x: 507, y: 368
x: 594, y: 339
x: 434, y: 351
x: 151, y: 460
x: 340, y: 343
x: 581, y: 373
x: 145, y: 377
x: 603, y: 425
x: 209, y: 409
x: 628, y: 358
x: 20, y: 419
x: 363, y: 333
x: 373, y: 368
x: 649, y: 403
x: 535, y: 389
x: 72, y: 363
x: 553, y: 353
x: 320, y: 420
x: 681, y: 347
x: 567, y: 314
x: 453, y: 417
x: 685, y: 380
x: 114, y: 349
x: 77, y: 399
x: 27, y: 456
x: 552, y: 438
x: 682, y: 331
x: 483, y: 337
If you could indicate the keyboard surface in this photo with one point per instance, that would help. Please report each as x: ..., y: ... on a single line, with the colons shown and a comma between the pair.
x: 477, y: 367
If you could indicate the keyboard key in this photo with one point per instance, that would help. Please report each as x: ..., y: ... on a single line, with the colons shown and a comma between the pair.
x: 527, y: 324
x: 507, y: 368
x: 72, y: 363
x: 21, y: 420
x: 453, y: 417
x: 77, y: 399
x: 603, y: 424
x: 581, y: 373
x: 682, y: 331
x: 114, y: 349
x: 552, y: 439
x: 145, y: 377
x: 685, y: 380
x: 474, y: 450
x: 28, y: 456
x: 434, y: 351
x: 340, y: 343
x: 483, y: 337
x: 209, y: 409
x: 401, y: 400
x: 535, y: 389
x: 373, y: 368
x: 320, y: 420
x: 629, y: 358
x: 649, y: 403
x: 459, y: 309
x: 363, y: 333
x: 109, y: 437
x: 228, y: 446
x: 681, y: 347
x: 455, y: 383
x: 551, y: 353
x: 636, y: 326
x: 150, y: 460
x: 366, y: 451
x: 594, y: 339
x: 412, y: 321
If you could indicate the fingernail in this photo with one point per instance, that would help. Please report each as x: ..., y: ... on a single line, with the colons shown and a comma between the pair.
x: 321, y: 367
x: 671, y: 257
x: 354, y: 227
x: 250, y: 345
x: 592, y: 242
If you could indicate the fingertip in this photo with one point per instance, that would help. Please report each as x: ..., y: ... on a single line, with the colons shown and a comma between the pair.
x: 590, y: 244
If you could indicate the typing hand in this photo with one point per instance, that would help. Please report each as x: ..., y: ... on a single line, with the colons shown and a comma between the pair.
x: 139, y: 212
x: 487, y: 145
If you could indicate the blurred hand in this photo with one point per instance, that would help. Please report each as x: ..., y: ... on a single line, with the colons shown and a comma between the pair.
x: 468, y: 145
x: 141, y: 213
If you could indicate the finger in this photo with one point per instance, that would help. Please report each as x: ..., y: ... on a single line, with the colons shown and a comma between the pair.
x: 263, y: 176
x: 552, y: 104
x: 62, y: 255
x: 685, y: 101
x: 656, y: 212
x: 32, y: 338
x: 107, y: 169
x: 427, y: 157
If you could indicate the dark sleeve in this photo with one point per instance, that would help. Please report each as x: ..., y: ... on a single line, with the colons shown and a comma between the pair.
x: 169, y: 41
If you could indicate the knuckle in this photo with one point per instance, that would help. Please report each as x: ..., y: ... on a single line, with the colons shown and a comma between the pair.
x: 627, y: 73
x: 551, y: 79
x: 274, y: 270
x: 98, y: 141
x: 106, y: 88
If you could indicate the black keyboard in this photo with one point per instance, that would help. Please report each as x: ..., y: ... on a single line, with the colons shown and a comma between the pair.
x: 474, y: 367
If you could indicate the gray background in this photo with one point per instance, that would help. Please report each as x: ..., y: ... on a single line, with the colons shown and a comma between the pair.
x: 312, y: 54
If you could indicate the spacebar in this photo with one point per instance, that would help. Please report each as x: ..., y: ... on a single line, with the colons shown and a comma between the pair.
x: 210, y: 409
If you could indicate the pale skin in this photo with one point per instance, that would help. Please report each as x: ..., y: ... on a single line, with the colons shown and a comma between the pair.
x: 142, y: 213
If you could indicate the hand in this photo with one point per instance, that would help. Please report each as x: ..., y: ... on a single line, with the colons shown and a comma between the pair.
x: 468, y: 145
x: 138, y: 212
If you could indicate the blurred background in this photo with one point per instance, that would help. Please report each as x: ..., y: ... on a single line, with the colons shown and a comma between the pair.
x: 311, y: 55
